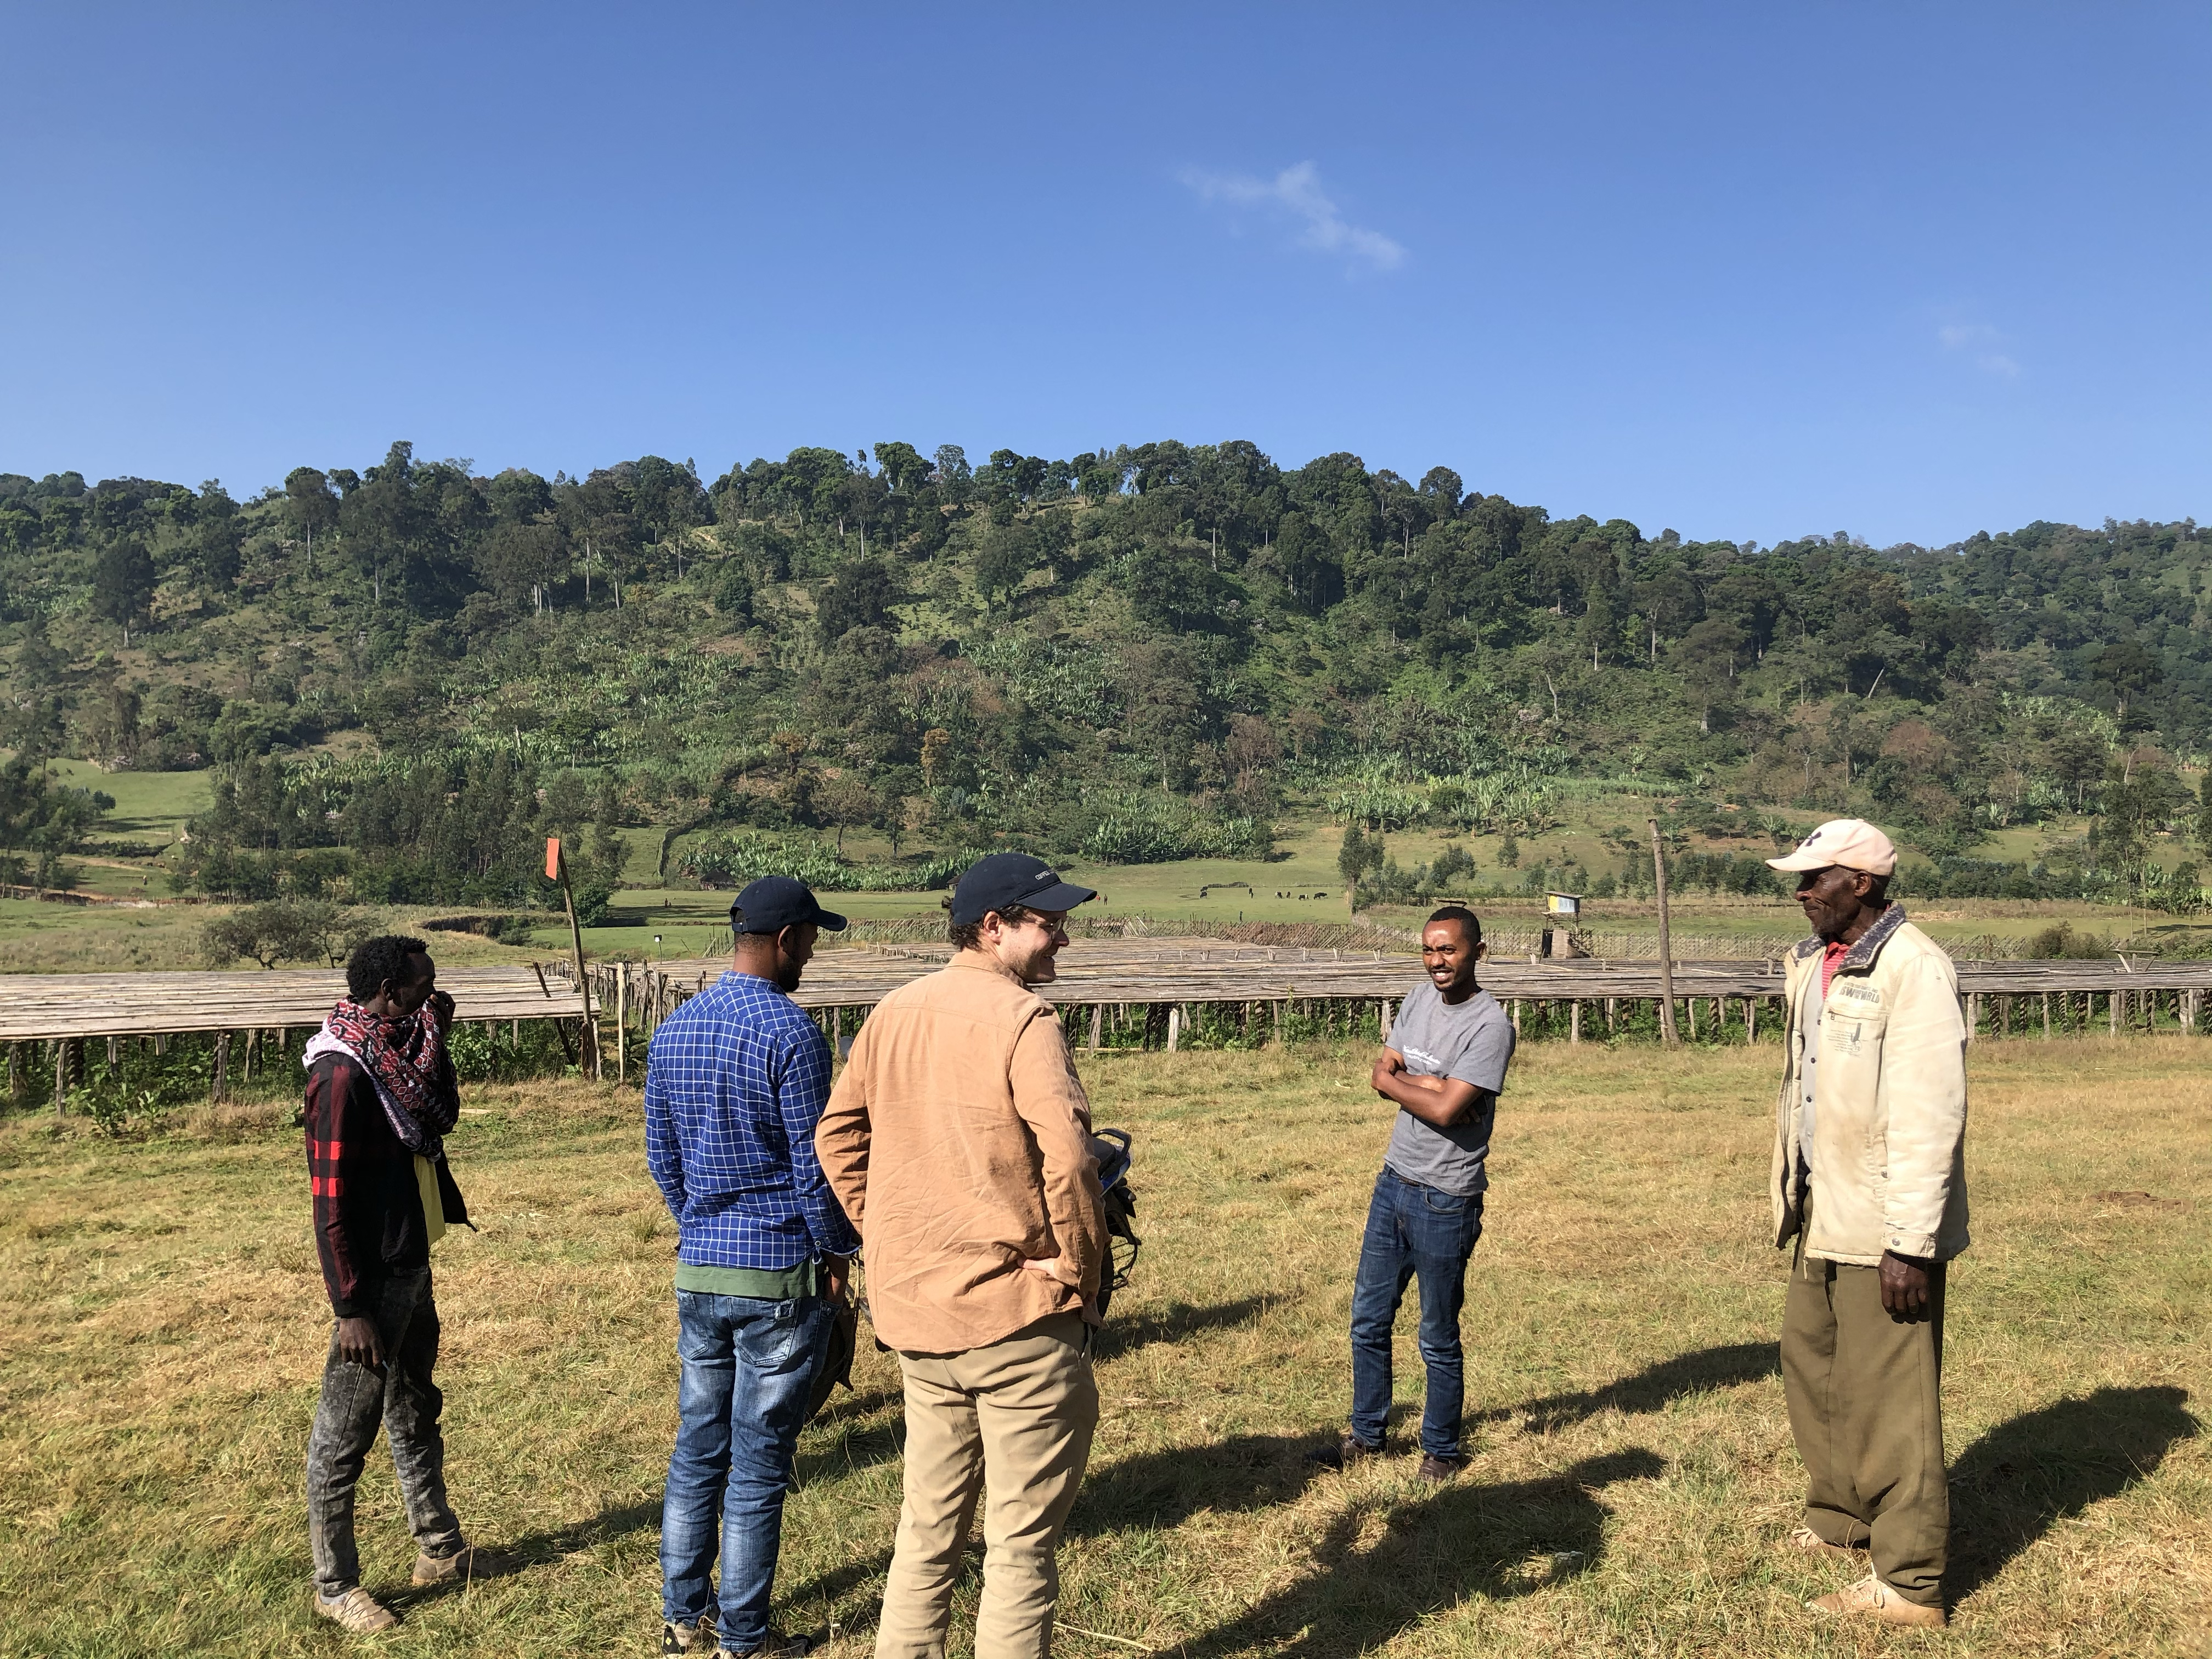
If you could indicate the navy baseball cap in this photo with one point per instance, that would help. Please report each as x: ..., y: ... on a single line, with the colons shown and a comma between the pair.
x: 775, y: 902
x: 1005, y: 879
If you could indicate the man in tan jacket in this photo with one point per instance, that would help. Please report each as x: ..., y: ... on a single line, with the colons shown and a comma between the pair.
x: 957, y: 1140
x: 1869, y: 1179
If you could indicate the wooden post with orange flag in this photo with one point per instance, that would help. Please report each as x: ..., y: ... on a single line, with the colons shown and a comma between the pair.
x: 556, y: 869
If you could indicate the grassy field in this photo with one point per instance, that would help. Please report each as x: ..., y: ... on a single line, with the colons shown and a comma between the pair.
x: 149, y: 806
x: 161, y: 1324
x: 1299, y: 883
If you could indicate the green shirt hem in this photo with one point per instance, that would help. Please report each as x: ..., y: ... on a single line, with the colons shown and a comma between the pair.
x: 763, y: 1284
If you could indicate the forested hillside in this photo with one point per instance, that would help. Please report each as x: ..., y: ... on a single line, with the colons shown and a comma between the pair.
x: 404, y: 676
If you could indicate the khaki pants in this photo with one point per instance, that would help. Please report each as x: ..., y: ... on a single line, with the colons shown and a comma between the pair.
x: 1013, y: 1421
x: 1867, y: 1415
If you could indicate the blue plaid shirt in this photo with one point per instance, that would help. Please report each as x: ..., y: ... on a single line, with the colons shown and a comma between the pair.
x: 735, y: 1082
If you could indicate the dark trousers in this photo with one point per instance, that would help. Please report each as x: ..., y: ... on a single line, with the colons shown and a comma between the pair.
x: 1413, y: 1232
x: 404, y: 1398
x: 1867, y: 1411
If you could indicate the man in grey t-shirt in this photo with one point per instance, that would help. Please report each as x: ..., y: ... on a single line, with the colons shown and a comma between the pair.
x: 1444, y: 1067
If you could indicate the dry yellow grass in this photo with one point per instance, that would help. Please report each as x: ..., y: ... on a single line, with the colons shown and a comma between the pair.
x: 161, y: 1323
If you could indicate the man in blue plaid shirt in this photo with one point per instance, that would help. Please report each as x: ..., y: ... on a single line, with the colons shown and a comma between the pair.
x: 737, y: 1081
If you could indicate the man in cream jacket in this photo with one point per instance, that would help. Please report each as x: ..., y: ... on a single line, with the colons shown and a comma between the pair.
x: 1869, y: 1181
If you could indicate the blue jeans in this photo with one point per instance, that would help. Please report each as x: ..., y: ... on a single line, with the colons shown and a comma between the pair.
x: 748, y: 1368
x: 1411, y: 1229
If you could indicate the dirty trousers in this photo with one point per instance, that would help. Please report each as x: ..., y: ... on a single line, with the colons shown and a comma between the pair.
x: 407, y: 1403
x: 1867, y: 1413
x: 1012, y: 1422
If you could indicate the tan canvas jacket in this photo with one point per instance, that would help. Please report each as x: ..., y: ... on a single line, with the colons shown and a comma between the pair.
x: 958, y: 1140
x: 1889, y: 1100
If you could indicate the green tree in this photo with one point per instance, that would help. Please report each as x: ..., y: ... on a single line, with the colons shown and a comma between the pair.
x: 2203, y: 831
x: 286, y: 930
x: 123, y: 583
x: 847, y: 802
x: 861, y: 597
x: 904, y: 468
x: 1009, y: 553
x: 2125, y: 669
x: 312, y: 505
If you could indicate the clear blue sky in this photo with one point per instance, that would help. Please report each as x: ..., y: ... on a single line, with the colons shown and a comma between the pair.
x: 1745, y: 270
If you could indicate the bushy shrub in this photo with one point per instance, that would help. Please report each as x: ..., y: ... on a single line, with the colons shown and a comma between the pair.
x: 1159, y: 829
x: 730, y: 859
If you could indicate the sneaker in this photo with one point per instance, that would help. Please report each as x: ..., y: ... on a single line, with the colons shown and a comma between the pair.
x: 777, y: 1646
x: 356, y: 1611
x: 1806, y: 1541
x: 697, y: 1637
x: 1870, y: 1596
x: 1348, y: 1449
x: 1437, y: 1470
x: 464, y: 1564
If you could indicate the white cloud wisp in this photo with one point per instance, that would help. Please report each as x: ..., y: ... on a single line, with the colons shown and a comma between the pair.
x: 1982, y: 340
x: 1297, y: 190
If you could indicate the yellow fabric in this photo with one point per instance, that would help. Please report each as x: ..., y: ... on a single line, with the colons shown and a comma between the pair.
x: 433, y: 1207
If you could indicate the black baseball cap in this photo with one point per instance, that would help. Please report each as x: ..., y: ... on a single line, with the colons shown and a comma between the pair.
x: 1005, y: 879
x: 775, y: 902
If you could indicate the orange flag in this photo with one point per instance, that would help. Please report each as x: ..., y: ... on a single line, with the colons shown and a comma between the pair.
x: 552, y: 858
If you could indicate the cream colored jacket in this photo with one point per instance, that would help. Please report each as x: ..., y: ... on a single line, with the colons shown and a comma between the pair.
x: 1889, y: 1102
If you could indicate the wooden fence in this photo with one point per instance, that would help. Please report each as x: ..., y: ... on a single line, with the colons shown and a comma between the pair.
x: 1154, y: 991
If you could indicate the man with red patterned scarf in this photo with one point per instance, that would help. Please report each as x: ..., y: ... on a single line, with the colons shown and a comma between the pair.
x: 381, y: 1097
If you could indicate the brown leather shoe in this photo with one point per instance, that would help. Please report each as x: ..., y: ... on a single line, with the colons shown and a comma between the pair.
x: 464, y: 1564
x: 1870, y: 1596
x: 1808, y: 1542
x: 1437, y: 1470
x: 356, y: 1611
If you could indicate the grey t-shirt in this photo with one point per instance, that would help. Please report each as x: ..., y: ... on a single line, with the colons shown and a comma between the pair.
x: 1472, y: 1042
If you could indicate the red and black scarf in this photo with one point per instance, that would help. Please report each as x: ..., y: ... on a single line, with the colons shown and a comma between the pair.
x: 406, y: 1058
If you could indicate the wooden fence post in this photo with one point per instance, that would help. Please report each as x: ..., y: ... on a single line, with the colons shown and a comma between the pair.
x: 61, y: 1078
x: 219, y: 1085
x: 1574, y: 1022
x: 1668, y: 1035
x: 2113, y: 1010
x: 622, y: 1022
x: 2046, y: 1015
x: 1174, y: 1026
x: 1097, y: 1019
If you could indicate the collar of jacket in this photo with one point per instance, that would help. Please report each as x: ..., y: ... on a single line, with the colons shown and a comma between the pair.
x: 1869, y: 945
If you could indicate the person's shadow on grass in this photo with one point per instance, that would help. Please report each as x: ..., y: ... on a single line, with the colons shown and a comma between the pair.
x: 1650, y: 1389
x: 2030, y: 1473
x: 1435, y: 1551
x: 1257, y: 1471
x: 1157, y: 1490
x: 1125, y: 1334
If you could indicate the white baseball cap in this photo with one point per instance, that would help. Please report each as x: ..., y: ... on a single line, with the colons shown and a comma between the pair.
x: 1853, y: 843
